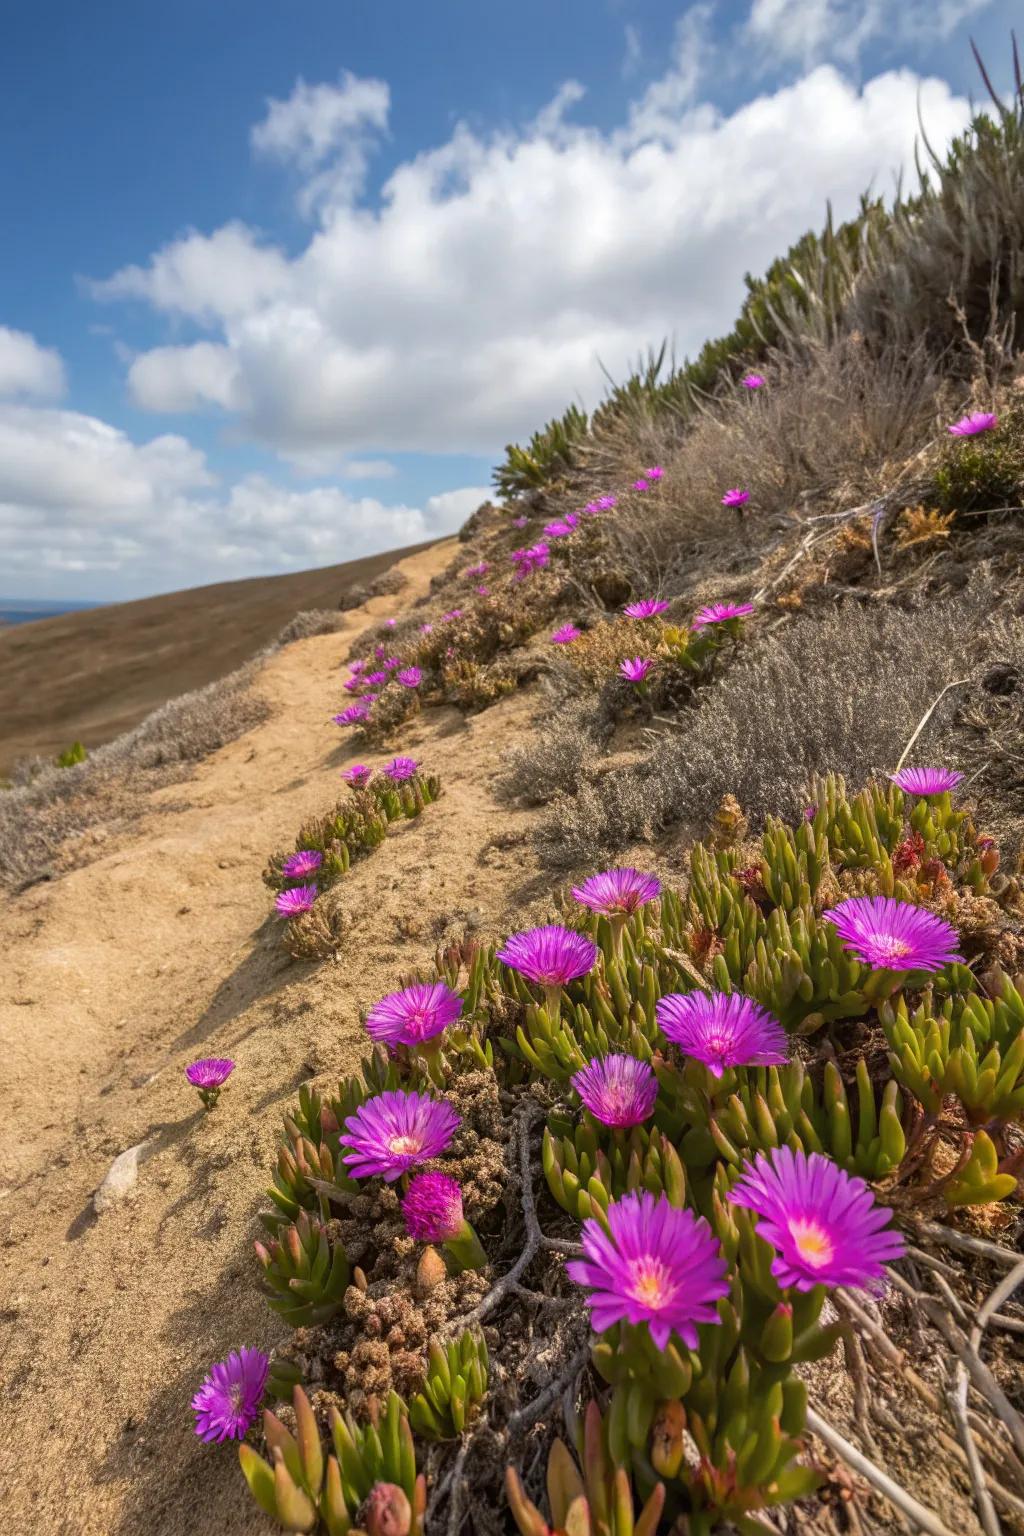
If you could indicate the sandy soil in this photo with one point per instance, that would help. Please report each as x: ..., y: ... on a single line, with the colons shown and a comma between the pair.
x: 115, y: 977
x: 97, y: 673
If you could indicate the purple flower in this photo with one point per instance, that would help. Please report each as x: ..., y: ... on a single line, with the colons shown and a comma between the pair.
x: 380, y: 651
x: 410, y: 677
x: 640, y: 485
x: 352, y: 684
x: 520, y: 522
x: 425, y: 629
x: 926, y: 781
x: 752, y: 381
x: 375, y: 678
x: 390, y: 623
x: 527, y: 560
x: 306, y: 862
x: 735, y: 498
x: 810, y: 811
x: 400, y: 768
x: 656, y: 1265
x: 561, y: 530
x: 484, y: 591
x: 357, y: 667
x: 414, y: 1015
x: 358, y: 775
x: 566, y: 635
x: 550, y: 956
x: 453, y: 613
x: 894, y: 935
x: 480, y: 569
x: 607, y: 502
x: 972, y: 424
x: 619, y: 1090
x: 617, y: 890
x: 392, y: 662
x: 211, y: 1072
x: 721, y: 613
x: 654, y: 473
x: 393, y: 1132
x: 299, y: 899
x: 645, y: 609
x: 636, y: 670
x: 352, y: 715
x: 433, y: 1208
x: 591, y: 509
x: 823, y: 1223
x: 722, y: 1030
x: 229, y: 1399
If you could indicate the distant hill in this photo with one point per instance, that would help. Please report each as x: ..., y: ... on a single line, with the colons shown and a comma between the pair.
x: 91, y: 674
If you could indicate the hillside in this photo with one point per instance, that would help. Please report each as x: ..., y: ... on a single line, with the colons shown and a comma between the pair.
x: 99, y: 672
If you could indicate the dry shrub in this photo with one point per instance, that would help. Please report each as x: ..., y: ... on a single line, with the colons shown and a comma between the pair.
x: 312, y: 621
x: 567, y: 741
x: 842, y: 693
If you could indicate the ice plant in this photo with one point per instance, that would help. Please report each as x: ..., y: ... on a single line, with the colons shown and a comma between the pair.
x: 520, y: 522
x: 736, y: 497
x: 655, y: 472
x: 375, y: 678
x: 823, y: 1223
x: 722, y: 1030
x: 306, y: 862
x: 409, y: 677
x: 752, y: 381
x: 209, y: 1075
x: 299, y: 898
x: 618, y: 1090
x: 894, y: 935
x: 480, y: 569
x: 414, y: 1015
x: 400, y: 768
x: 453, y: 613
x: 720, y: 613
x: 640, y: 485
x: 358, y: 775
x: 617, y: 890
x: 655, y: 1264
x: 229, y: 1399
x: 645, y: 609
x: 352, y: 715
x: 433, y: 1213
x: 566, y: 635
x: 390, y: 623
x: 562, y: 528
x: 973, y: 423
x: 926, y: 781
x: 636, y: 669
x: 357, y: 667
x: 550, y: 956
x: 394, y: 1131
x: 352, y: 684
x: 392, y: 662
x: 426, y: 629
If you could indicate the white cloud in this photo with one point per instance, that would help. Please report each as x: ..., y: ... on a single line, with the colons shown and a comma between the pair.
x: 474, y: 301
x: 27, y: 369
x: 82, y: 507
x: 634, y: 51
x: 808, y: 31
x: 327, y: 133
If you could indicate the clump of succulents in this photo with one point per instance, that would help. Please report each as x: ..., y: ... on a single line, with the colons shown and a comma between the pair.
x: 594, y: 1497
x: 454, y: 1389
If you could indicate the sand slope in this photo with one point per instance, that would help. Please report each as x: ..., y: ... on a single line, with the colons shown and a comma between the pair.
x: 117, y: 975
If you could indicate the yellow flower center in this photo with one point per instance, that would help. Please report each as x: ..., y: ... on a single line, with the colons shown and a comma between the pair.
x: 651, y: 1284
x: 402, y: 1146
x: 813, y: 1243
x: 888, y: 946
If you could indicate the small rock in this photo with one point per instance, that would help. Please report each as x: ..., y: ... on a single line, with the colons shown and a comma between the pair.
x: 121, y: 1180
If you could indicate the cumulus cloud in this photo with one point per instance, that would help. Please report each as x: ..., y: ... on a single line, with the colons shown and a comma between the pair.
x: 808, y: 31
x: 27, y: 369
x: 483, y: 288
x: 86, y: 510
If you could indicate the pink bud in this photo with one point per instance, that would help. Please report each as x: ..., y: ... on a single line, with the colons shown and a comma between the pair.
x: 387, y: 1511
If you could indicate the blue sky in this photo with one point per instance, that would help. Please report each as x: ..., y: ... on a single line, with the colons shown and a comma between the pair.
x: 279, y: 281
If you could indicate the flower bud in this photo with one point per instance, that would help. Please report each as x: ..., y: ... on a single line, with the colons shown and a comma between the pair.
x: 430, y: 1271
x: 387, y: 1511
x: 667, y: 1438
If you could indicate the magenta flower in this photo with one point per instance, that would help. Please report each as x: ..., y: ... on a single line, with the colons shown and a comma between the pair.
x: 375, y: 678
x: 823, y: 1223
x: 401, y: 768
x: 480, y: 569
x: 210, y: 1072
x: 352, y: 715
x: 394, y: 1131
x: 357, y: 667
x: 561, y: 529
x: 527, y: 560
x: 752, y: 381
x: 414, y: 1015
x: 551, y: 956
x: 645, y: 609
x: 636, y: 670
x: 390, y: 623
x: 607, y: 502
x: 392, y: 662
x: 735, y: 498
x: 810, y: 811
x: 410, y: 677
x: 306, y: 862
x: 453, y: 613
x: 656, y: 1265
x: 721, y: 613
x: 299, y: 898
x: 484, y: 591
x: 640, y: 485
x: 894, y: 935
x: 433, y: 1208
x: 619, y: 1090
x: 617, y: 890
x: 566, y: 635
x: 722, y: 1030
x: 229, y: 1399
x: 380, y: 651
x: 520, y: 522
x: 425, y: 629
x: 358, y: 775
x: 352, y: 684
x: 654, y: 473
x: 972, y: 424
x: 926, y: 781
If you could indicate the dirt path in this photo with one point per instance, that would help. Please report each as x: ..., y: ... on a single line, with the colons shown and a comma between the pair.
x: 113, y: 978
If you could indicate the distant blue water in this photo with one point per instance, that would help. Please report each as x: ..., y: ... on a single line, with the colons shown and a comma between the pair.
x: 14, y: 610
